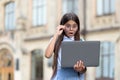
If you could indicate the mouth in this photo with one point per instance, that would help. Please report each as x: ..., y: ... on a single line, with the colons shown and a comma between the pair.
x: 71, y: 33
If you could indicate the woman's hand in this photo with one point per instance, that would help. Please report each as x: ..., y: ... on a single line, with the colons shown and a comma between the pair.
x: 79, y: 67
x: 60, y: 29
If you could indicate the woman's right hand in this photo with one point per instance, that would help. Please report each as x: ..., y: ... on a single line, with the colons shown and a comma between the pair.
x: 60, y: 29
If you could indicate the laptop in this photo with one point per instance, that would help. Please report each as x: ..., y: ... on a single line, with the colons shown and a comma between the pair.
x: 87, y: 51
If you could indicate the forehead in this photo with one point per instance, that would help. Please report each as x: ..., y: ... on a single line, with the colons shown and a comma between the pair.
x: 71, y: 22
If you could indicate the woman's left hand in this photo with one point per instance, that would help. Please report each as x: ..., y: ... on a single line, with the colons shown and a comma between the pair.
x: 79, y: 66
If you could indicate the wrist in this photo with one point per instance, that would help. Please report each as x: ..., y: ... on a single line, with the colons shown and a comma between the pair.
x: 84, y: 70
x: 55, y: 36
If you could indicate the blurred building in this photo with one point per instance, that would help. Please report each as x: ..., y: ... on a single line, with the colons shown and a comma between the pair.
x: 26, y: 27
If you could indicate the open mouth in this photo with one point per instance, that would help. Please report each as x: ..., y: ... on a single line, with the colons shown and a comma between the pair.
x: 71, y: 33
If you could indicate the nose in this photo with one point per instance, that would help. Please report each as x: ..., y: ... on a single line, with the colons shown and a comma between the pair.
x: 71, y: 28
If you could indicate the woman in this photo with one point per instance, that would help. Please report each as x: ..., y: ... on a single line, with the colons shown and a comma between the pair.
x: 68, y: 30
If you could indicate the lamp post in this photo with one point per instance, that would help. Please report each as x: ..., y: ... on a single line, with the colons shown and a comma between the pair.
x: 84, y: 22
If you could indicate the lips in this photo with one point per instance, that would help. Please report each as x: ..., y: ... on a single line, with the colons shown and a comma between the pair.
x: 71, y: 33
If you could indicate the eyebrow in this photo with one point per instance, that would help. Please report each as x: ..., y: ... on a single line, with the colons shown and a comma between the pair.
x: 70, y: 24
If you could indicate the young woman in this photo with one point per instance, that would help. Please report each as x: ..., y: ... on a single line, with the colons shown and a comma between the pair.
x: 68, y: 30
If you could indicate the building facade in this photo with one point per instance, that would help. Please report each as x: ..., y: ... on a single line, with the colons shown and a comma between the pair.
x: 103, y: 23
x: 26, y: 27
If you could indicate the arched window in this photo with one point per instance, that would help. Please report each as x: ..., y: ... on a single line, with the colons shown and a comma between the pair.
x: 6, y: 65
x: 10, y: 16
x: 6, y: 60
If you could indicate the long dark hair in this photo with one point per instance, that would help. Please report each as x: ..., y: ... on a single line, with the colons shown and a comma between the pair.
x: 65, y: 19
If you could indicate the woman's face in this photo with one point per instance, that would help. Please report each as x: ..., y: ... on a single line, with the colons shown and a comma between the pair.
x: 70, y: 28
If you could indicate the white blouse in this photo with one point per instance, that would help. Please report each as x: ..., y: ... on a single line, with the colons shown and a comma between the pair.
x: 65, y: 38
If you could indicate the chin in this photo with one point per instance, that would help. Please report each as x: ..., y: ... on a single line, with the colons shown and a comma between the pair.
x: 71, y: 36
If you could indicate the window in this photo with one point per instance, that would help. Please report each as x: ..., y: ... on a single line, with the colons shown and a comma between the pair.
x: 70, y: 6
x: 39, y: 12
x: 17, y: 64
x: 105, y: 7
x: 10, y: 16
x: 7, y: 59
x: 37, y: 65
x: 105, y: 71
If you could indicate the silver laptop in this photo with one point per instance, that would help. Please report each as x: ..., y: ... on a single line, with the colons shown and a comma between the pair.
x: 87, y: 51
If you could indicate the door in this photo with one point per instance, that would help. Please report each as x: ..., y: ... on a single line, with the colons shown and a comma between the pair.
x: 6, y: 66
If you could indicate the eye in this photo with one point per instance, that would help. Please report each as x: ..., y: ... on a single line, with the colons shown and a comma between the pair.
x: 74, y: 26
x: 67, y: 25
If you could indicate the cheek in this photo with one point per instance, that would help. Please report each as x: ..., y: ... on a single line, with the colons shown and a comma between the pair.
x: 66, y: 30
x: 76, y: 30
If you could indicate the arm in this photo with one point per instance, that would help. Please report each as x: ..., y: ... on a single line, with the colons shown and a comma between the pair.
x: 51, y: 45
